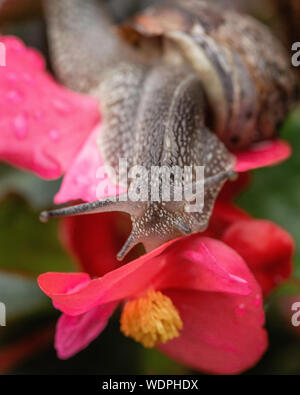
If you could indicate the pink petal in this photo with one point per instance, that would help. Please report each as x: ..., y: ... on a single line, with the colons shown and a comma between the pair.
x: 169, y: 266
x: 81, y: 180
x: 204, y: 264
x: 222, y: 333
x: 263, y: 154
x: 63, y: 284
x: 125, y: 282
x: 42, y: 124
x: 74, y: 334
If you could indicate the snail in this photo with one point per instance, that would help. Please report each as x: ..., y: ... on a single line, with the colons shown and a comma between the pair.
x: 184, y: 83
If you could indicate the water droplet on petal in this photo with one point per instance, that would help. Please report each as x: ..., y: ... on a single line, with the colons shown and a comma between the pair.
x: 20, y: 126
x: 11, y: 76
x: 61, y: 106
x: 54, y: 134
x: 241, y: 309
x: 37, y: 115
x: 81, y: 180
x: 257, y: 300
x: 47, y: 163
x: 15, y: 97
x: 28, y: 78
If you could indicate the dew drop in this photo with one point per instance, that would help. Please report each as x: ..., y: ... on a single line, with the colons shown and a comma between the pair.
x: 20, y: 126
x: 61, y: 106
x: 15, y: 97
x: 37, y: 115
x: 241, y: 309
x: 11, y: 76
x: 28, y: 78
x: 81, y: 180
x: 257, y: 300
x: 48, y: 165
x: 54, y: 134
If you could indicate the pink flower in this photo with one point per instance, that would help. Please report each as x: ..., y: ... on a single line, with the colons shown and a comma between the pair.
x: 264, y: 261
x: 43, y: 125
x: 194, y: 298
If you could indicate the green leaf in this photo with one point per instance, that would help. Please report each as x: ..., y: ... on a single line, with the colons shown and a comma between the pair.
x: 21, y: 296
x: 39, y: 193
x: 154, y: 362
x: 26, y: 245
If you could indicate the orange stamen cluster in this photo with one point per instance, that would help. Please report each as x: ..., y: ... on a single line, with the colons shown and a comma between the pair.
x: 151, y: 319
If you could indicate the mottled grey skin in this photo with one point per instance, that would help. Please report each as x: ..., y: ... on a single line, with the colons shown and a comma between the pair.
x: 158, y: 120
x: 81, y: 45
x: 155, y: 100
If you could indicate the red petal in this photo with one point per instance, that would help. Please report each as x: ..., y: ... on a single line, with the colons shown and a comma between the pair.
x: 74, y: 334
x: 222, y: 333
x: 65, y: 283
x: 224, y: 214
x: 267, y: 249
x: 95, y: 240
x: 204, y: 264
x: 42, y: 124
x: 232, y: 189
x: 125, y: 282
x: 190, y: 263
x: 263, y: 154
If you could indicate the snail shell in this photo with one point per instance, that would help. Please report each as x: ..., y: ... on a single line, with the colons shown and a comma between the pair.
x: 245, y: 71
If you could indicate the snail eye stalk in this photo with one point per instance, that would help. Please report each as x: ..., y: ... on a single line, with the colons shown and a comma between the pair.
x: 99, y: 206
x: 114, y: 204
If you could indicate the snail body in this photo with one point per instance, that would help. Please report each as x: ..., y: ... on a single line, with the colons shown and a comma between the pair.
x: 182, y: 84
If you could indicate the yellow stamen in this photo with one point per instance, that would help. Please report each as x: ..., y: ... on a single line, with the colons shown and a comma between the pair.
x: 151, y: 319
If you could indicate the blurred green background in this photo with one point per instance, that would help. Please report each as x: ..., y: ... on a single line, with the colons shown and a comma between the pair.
x: 28, y: 248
